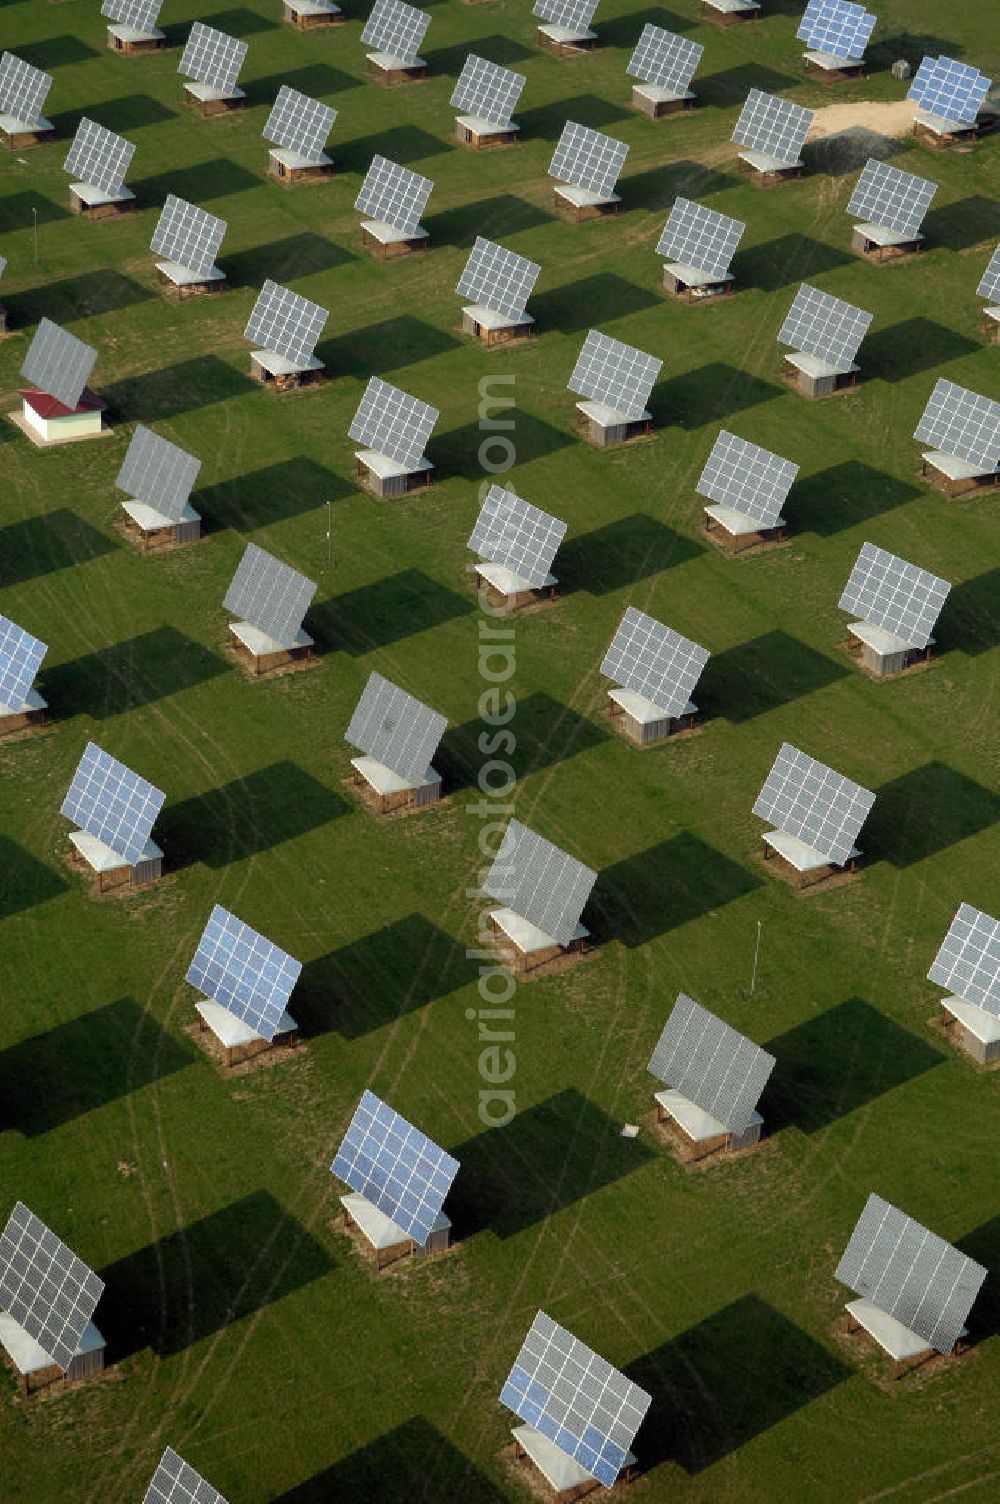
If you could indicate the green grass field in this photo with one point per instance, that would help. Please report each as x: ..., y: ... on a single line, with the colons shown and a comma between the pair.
x: 244, y: 1330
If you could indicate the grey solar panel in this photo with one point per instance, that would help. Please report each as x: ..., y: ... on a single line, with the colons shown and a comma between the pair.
x: 613, y: 373
x: 239, y: 969
x: 142, y: 14
x: 962, y: 423
x: 396, y: 28
x: 188, y: 235
x: 516, y: 535
x: 395, y: 1167
x: 714, y: 1066
x: 837, y: 28
x: 563, y: 1389
x: 953, y: 91
x: 394, y: 195
x: 989, y: 287
x: 44, y: 1287
x: 23, y: 88
x: 772, y: 125
x: 750, y: 480
x: 299, y: 123
x: 487, y: 90
x: 587, y: 158
x: 664, y: 59
x: 540, y: 882
x: 888, y: 196
x: 20, y: 659
x: 824, y: 326
x: 99, y: 156
x: 286, y: 322
x: 910, y: 1273
x: 574, y: 14
x: 176, y: 1482
x: 270, y: 595
x: 396, y: 729
x: 159, y: 473
x: 393, y: 423
x: 968, y: 962
x: 700, y: 237
x: 893, y: 594
x: 212, y: 57
x: 58, y: 363
x: 498, y: 279
x: 806, y: 799
x: 113, y: 804
x: 654, y: 661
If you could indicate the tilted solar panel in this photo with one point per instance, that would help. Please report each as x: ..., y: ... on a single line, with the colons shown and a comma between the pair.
x: 824, y: 326
x: 142, y: 14
x: 713, y: 1065
x: 654, y: 661
x: 286, y: 322
x: 888, y: 196
x: 953, y: 91
x: 99, y: 157
x: 750, y: 480
x: 20, y: 659
x: 615, y: 374
x: 395, y: 1167
x: 700, y: 237
x: 989, y: 287
x: 58, y: 363
x: 487, y: 90
x: 587, y: 158
x: 395, y: 728
x: 158, y: 473
x: 806, y: 799
x: 772, y: 125
x: 247, y: 975
x: 890, y: 593
x: 541, y: 883
x: 498, y: 279
x: 396, y: 28
x: 576, y: 15
x: 176, y: 1482
x: 299, y: 123
x: 968, y: 962
x: 188, y: 235
x: 394, y: 195
x: 664, y: 59
x: 840, y: 29
x: 516, y: 535
x: 23, y: 88
x: 962, y: 423
x: 270, y: 595
x: 44, y: 1287
x: 393, y: 423
x: 113, y: 804
x: 212, y: 57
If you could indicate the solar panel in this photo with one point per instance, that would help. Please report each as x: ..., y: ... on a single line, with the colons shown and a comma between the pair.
x: 825, y: 326
x: 910, y: 1273
x: 187, y: 235
x: 393, y: 423
x: 212, y: 57
x: 499, y: 279
x: 700, y: 237
x: 953, y: 91
x: 989, y: 287
x: 563, y: 1389
x: 58, y: 363
x: 270, y: 595
x: 142, y: 14
x: 158, y: 473
x: 613, y: 373
x: 516, y: 535
x: 396, y: 729
x: 664, y: 59
x: 99, y: 156
x: 968, y: 963
x: 20, y: 659
x: 714, y: 1066
x: 962, y: 423
x: 44, y: 1286
x: 176, y: 1482
x: 299, y: 123
x: 244, y: 973
x: 487, y: 90
x: 891, y: 593
x: 806, y: 799
x: 587, y: 158
x: 287, y: 323
x: 574, y: 14
x: 888, y: 196
x: 23, y: 89
x: 394, y: 195
x: 396, y: 28
x: 655, y: 661
x: 837, y: 28
x: 113, y: 804
x: 395, y: 1167
x: 540, y: 882
x: 772, y: 125
x: 750, y: 480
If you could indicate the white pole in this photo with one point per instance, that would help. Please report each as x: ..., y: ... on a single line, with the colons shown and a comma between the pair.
x: 756, y: 953
x: 34, y: 219
x: 329, y: 535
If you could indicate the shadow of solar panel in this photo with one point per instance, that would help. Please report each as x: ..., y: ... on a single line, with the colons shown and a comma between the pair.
x: 142, y: 14
x: 772, y: 125
x: 968, y: 961
x: 806, y: 799
x: 396, y: 729
x: 498, y: 279
x: 299, y: 123
x: 825, y: 326
x: 395, y: 1167
x: 713, y: 1065
x: 910, y: 1273
x: 487, y: 90
x: 890, y: 197
x: 700, y: 237
x: 664, y: 59
x: 159, y: 473
x: 513, y: 533
x: 23, y: 88
x: 989, y: 286
x: 540, y: 882
x: 269, y: 594
x: 112, y: 803
x: 44, y: 1287
x: 611, y: 372
x: 188, y: 235
x: 655, y: 661
x: 58, y: 363
x: 286, y: 322
x: 962, y: 423
x: 587, y: 158
x: 393, y: 195
x: 953, y: 91
x: 574, y: 14
x: 889, y: 592
x: 176, y: 1482
x: 212, y: 57
x: 384, y: 1469
x: 20, y: 659
x: 98, y: 156
x: 396, y: 28
x: 751, y: 480
x: 247, y: 975
x: 837, y: 28
x: 393, y: 423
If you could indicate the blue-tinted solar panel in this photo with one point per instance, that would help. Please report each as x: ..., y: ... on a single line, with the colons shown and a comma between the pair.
x: 837, y: 27
x: 246, y: 974
x: 395, y: 1167
x: 110, y: 802
x: 953, y: 91
x: 20, y: 658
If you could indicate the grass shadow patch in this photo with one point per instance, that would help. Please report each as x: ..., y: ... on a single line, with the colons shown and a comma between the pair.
x: 547, y: 733
x: 457, y: 452
x: 570, y: 308
x: 963, y: 223
x: 621, y: 553
x: 983, y: 1245
x: 241, y: 819
x: 762, y: 675
x: 271, y: 494
x: 386, y: 611
x: 844, y: 496
x: 199, y: 183
x: 493, y: 218
x: 911, y: 346
x: 27, y: 882
x: 496, y: 48
x: 55, y: 52
x: 404, y: 144
x: 659, y: 889
x: 387, y: 346
x: 710, y: 394
x: 790, y: 258
x: 127, y: 675
x: 624, y: 31
x: 286, y: 260
x: 926, y: 811
x: 129, y: 113
x: 87, y: 296
x: 318, y: 80
x: 16, y: 210
x: 37, y: 546
x: 730, y: 87
x: 181, y: 388
x: 546, y: 121
x: 385, y: 1469
x: 970, y: 620
x: 240, y: 21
